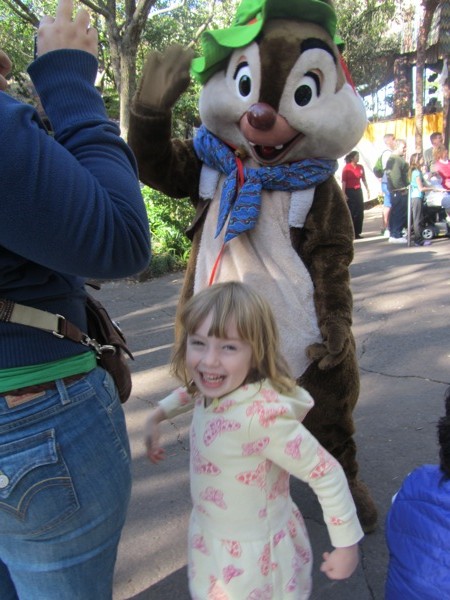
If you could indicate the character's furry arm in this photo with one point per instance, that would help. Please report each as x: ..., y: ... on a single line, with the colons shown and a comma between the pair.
x: 170, y: 166
x: 326, y: 246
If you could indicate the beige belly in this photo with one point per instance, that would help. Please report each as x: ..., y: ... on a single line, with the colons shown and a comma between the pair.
x: 264, y: 258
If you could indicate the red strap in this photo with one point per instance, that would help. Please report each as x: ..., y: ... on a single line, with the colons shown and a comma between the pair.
x: 216, y: 265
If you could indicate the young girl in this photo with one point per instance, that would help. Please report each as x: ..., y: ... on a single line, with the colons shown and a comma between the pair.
x: 418, y: 188
x: 247, y: 539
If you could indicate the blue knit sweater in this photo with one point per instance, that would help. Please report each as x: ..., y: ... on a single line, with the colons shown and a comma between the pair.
x: 418, y: 538
x: 70, y: 205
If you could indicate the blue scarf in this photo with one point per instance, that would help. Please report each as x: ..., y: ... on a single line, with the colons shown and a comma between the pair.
x: 244, y: 209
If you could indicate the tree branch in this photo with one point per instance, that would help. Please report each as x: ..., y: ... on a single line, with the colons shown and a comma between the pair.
x: 24, y: 13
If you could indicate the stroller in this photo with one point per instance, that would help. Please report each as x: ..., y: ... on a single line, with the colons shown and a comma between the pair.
x: 436, y: 221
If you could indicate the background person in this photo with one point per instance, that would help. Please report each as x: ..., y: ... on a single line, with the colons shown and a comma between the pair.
x: 389, y: 141
x: 418, y: 528
x: 418, y: 188
x: 71, y: 208
x: 352, y: 176
x: 247, y: 538
x: 436, y: 139
x: 397, y: 176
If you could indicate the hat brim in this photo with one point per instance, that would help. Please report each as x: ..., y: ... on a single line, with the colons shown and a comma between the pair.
x: 218, y: 44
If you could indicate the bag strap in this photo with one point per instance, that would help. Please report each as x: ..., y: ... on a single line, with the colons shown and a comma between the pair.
x: 59, y: 326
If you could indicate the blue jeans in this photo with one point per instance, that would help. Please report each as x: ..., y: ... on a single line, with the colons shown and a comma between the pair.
x: 65, y: 484
x: 399, y: 213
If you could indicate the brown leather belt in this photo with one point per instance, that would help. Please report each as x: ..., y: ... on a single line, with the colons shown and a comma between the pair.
x: 42, y: 387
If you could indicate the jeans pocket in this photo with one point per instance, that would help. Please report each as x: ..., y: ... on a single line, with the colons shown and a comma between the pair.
x: 35, y: 486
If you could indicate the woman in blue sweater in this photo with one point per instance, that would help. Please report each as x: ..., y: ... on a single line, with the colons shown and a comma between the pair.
x: 418, y: 528
x: 70, y: 209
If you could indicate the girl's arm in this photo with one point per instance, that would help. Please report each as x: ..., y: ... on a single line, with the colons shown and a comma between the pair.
x: 176, y: 403
x: 296, y: 450
x: 155, y: 453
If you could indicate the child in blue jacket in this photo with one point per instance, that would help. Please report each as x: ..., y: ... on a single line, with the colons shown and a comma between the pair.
x: 418, y: 528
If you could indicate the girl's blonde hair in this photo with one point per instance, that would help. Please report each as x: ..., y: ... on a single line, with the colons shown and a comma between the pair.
x: 255, y: 324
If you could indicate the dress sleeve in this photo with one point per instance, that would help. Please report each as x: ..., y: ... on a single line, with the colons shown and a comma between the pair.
x: 177, y: 403
x: 292, y: 447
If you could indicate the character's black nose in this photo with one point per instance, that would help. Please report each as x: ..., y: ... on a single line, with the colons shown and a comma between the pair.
x: 261, y: 116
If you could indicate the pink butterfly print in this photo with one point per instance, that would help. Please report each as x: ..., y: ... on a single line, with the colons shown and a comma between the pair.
x: 233, y: 547
x: 264, y: 561
x: 211, y: 494
x: 300, y: 520
x: 230, y: 572
x: 217, y: 427
x: 255, y: 447
x: 326, y: 464
x: 198, y: 543
x: 281, y: 486
x: 292, y: 528
x: 265, y: 593
x: 303, y: 555
x: 266, y: 414
x: 293, y: 447
x: 278, y: 537
x: 200, y: 464
x: 215, y: 591
x: 270, y: 395
x: 291, y: 584
x: 256, y: 477
x: 224, y: 406
x: 201, y: 509
x: 336, y: 521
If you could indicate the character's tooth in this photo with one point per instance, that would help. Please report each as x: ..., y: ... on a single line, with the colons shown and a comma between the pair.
x: 280, y: 147
x: 252, y: 144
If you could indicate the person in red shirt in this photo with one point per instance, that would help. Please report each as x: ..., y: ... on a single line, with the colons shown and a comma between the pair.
x: 352, y: 176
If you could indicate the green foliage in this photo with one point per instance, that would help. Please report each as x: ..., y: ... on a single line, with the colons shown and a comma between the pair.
x: 169, y: 219
x: 366, y: 28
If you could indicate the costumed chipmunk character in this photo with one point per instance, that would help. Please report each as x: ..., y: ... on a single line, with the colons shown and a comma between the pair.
x: 277, y: 111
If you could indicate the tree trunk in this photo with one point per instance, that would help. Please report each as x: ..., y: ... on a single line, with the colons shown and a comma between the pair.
x: 427, y: 9
x: 127, y: 85
x: 402, y: 88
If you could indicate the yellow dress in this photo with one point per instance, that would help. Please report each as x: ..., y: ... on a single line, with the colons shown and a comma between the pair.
x: 247, y: 538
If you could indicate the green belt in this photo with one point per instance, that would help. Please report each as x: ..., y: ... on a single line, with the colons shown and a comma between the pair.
x: 19, y: 377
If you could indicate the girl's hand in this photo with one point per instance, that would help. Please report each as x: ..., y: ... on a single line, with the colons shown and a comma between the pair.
x: 340, y: 563
x: 155, y: 453
x: 62, y: 33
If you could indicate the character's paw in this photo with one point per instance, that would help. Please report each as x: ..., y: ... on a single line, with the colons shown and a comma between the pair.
x: 365, y: 506
x: 165, y: 77
x: 334, y: 348
x: 320, y: 352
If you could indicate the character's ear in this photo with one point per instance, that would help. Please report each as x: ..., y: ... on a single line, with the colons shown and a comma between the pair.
x: 344, y: 67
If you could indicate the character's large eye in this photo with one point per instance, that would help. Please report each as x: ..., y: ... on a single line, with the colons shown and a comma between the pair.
x: 243, y: 78
x: 308, y: 89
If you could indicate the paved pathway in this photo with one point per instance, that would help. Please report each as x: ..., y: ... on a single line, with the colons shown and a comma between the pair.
x: 401, y: 299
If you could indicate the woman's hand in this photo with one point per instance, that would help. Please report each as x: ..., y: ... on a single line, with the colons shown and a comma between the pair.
x: 61, y: 32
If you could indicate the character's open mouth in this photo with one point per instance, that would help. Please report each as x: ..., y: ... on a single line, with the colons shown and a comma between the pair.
x: 273, y: 153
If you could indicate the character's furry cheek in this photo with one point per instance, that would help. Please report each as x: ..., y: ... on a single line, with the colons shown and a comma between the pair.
x: 312, y: 78
x: 230, y: 92
x: 332, y: 127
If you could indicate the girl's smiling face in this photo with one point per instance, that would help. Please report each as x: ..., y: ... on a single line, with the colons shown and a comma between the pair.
x: 218, y: 366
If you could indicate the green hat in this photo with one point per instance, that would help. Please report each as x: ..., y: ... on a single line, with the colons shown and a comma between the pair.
x: 251, y: 15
